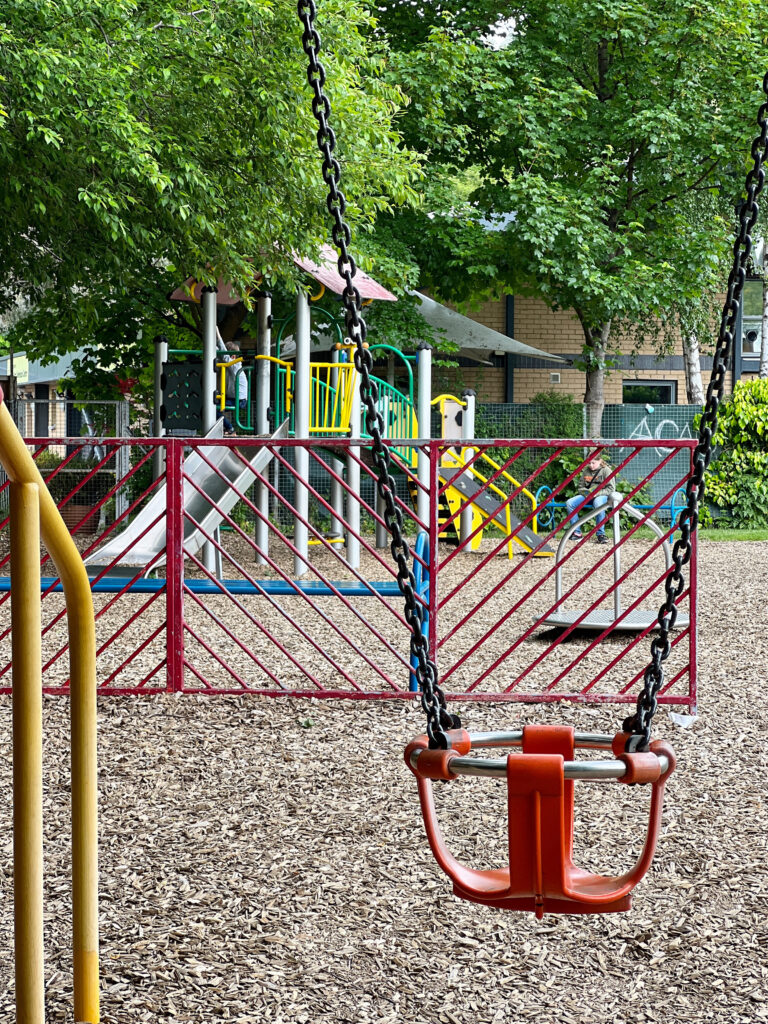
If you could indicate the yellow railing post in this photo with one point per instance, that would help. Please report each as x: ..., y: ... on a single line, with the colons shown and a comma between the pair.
x: 21, y: 468
x: 27, y: 752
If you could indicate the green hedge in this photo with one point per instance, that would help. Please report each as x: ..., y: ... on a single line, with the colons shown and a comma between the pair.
x: 736, y: 484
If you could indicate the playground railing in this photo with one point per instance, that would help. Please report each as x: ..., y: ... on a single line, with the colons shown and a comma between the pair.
x: 332, y: 392
x: 33, y: 515
x: 399, y: 418
x: 283, y: 393
x: 233, y: 407
x: 245, y: 587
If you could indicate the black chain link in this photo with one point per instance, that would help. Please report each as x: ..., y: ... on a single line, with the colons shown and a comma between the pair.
x: 432, y: 697
x: 639, y: 724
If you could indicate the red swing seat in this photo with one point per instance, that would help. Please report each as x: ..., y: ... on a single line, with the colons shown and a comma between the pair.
x: 541, y: 875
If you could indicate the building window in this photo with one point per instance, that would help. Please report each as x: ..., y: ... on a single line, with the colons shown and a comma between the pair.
x: 751, y: 320
x: 649, y: 392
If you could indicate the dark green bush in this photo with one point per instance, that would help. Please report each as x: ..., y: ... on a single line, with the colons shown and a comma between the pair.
x: 736, y: 484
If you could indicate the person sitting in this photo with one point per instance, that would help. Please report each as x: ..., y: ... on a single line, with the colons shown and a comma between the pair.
x: 236, y: 392
x: 594, y: 492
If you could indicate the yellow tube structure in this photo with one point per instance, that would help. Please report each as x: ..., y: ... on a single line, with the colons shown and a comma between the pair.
x: 27, y: 753
x: 20, y: 467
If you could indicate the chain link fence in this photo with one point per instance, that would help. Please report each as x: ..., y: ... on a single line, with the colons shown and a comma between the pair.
x: 82, y: 471
x: 630, y: 422
x: 63, y: 417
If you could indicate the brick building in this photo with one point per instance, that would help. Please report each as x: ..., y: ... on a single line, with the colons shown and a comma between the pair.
x: 642, y: 377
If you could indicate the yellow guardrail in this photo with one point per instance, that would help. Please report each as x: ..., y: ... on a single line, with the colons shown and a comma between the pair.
x: 287, y: 368
x: 442, y: 399
x: 221, y: 394
x: 31, y: 503
x: 332, y: 391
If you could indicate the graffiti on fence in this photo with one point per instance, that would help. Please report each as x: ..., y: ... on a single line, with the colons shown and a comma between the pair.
x: 665, y: 429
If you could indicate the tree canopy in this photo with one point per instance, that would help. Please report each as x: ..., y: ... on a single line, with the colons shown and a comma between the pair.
x: 590, y: 161
x: 145, y: 140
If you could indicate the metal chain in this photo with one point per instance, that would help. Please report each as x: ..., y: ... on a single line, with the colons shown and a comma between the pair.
x: 639, y: 724
x: 432, y: 697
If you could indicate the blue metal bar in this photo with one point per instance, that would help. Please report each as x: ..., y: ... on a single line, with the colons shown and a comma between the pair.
x: 114, y: 584
x: 421, y: 579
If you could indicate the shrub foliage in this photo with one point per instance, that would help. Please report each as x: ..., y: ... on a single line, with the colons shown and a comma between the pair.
x: 736, y: 485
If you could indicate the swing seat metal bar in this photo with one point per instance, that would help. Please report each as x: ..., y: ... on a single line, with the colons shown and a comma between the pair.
x: 541, y: 876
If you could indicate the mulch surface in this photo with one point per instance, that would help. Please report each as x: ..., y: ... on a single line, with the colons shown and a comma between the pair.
x: 264, y: 860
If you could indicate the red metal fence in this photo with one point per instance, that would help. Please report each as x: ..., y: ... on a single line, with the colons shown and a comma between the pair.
x: 202, y: 582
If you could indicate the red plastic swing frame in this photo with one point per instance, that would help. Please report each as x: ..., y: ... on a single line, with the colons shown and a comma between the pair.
x: 541, y: 876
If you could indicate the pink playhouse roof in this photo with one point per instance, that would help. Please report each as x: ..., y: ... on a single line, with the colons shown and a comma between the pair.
x: 327, y: 274
x: 324, y: 273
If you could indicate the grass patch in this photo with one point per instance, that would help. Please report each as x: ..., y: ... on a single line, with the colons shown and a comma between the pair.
x: 709, y: 534
x: 645, y: 533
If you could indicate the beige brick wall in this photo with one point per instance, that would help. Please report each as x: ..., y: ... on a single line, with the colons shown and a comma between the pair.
x: 559, y: 333
x: 488, y: 381
x: 554, y: 332
x: 492, y: 313
x: 529, y: 382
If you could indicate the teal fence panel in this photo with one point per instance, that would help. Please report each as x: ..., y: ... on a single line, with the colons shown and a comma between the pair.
x: 627, y: 422
x: 660, y: 422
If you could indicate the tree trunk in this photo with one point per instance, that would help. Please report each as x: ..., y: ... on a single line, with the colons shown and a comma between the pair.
x: 594, y: 394
x: 694, y: 389
x: 763, y: 372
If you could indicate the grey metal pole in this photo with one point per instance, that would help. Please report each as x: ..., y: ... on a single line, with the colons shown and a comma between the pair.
x: 208, y: 391
x: 382, y: 533
x: 263, y: 348
x: 263, y: 399
x: 302, y: 396
x: 337, y: 490
x: 208, y: 383
x: 424, y: 416
x: 158, y: 428
x: 123, y: 455
x: 353, y: 479
x: 467, y: 433
x: 615, y: 501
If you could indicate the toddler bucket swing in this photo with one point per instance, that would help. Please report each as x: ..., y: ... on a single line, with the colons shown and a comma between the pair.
x: 540, y: 875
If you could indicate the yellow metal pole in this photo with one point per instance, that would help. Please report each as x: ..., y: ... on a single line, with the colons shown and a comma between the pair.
x: 21, y: 468
x: 27, y: 753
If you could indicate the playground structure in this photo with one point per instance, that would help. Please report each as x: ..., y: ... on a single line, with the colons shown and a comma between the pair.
x: 318, y: 399
x: 630, y: 619
x: 183, y: 515
x: 214, y: 479
x: 541, y: 875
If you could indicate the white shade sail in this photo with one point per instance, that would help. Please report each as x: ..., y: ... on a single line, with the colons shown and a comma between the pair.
x: 476, y: 341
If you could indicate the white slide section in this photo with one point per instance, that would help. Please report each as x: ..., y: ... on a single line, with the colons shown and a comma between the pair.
x: 210, y: 493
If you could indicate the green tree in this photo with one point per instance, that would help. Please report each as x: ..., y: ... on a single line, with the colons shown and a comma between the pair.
x: 145, y: 140
x: 591, y: 161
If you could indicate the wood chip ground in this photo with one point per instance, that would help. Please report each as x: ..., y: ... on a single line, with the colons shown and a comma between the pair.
x: 263, y: 860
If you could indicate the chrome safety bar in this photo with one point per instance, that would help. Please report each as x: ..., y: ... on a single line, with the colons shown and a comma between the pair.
x: 583, y: 771
x: 514, y: 738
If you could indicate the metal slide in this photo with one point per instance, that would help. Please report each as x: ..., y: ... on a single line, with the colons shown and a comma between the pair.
x: 141, y: 545
x: 493, y: 512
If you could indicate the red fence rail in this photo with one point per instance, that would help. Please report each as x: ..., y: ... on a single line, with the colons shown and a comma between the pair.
x: 202, y: 582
